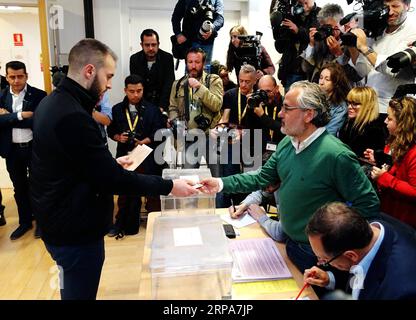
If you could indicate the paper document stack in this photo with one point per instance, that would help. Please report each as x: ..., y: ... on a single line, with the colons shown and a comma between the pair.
x: 257, y: 260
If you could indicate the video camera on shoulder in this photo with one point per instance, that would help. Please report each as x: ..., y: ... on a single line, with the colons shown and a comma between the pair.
x: 256, y: 98
x: 372, y: 18
x: 249, y: 51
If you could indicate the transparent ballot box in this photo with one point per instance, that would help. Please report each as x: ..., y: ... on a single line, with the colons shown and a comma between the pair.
x: 200, y: 204
x: 190, y: 259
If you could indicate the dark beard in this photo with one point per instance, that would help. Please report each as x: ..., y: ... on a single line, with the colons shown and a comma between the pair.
x: 95, y: 91
x: 321, y: 52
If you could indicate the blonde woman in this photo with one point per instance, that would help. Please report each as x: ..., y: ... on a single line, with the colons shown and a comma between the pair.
x: 363, y: 129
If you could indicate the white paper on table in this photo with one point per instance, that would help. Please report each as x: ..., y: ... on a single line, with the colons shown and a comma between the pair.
x: 137, y: 155
x: 183, y: 237
x: 194, y: 178
x: 242, y: 222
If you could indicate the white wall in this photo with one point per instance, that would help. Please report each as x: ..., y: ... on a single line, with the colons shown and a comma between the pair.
x: 30, y: 53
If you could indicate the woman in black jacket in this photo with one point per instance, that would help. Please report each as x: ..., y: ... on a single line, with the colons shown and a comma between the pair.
x: 363, y: 127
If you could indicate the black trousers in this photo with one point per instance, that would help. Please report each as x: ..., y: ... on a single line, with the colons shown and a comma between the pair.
x: 18, y: 163
x: 79, y: 269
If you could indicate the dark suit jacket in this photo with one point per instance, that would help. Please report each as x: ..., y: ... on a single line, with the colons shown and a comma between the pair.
x: 392, y: 275
x: 9, y: 121
x: 158, y: 80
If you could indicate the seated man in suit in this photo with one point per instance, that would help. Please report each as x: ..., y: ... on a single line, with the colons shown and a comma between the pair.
x: 374, y: 253
x: 17, y: 105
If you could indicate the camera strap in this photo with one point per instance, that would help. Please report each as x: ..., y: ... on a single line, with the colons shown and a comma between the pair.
x: 132, y: 126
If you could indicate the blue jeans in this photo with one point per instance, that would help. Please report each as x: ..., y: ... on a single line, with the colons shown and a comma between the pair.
x: 80, y: 269
x: 300, y: 254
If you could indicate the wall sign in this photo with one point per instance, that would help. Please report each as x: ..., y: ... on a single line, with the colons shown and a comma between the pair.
x: 18, y: 39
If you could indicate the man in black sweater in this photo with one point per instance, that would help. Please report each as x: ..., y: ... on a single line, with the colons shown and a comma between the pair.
x: 74, y: 175
x: 155, y: 66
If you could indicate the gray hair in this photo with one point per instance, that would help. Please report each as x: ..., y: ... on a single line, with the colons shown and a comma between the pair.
x: 312, y: 97
x: 330, y: 10
x: 247, y: 68
x: 89, y: 51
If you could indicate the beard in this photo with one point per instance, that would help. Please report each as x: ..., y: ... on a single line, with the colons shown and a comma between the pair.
x: 197, y: 74
x: 95, y: 90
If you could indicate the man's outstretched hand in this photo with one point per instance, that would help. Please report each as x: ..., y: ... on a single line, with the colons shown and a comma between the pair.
x: 210, y: 186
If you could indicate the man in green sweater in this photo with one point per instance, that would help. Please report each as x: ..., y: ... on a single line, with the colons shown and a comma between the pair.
x: 314, y: 168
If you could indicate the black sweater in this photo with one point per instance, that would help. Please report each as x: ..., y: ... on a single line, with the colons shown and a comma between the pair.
x: 73, y: 174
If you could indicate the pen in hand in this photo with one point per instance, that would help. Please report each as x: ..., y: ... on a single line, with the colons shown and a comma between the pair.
x: 305, y: 285
x: 232, y: 204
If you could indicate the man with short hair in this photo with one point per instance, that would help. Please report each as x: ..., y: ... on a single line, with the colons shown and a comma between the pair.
x: 155, y: 66
x: 135, y: 122
x: 193, y: 14
x: 74, y: 175
x: 380, y: 258
x: 313, y: 166
x: 17, y: 104
x: 369, y: 57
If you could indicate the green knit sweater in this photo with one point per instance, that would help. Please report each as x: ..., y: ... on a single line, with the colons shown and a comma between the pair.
x: 326, y: 171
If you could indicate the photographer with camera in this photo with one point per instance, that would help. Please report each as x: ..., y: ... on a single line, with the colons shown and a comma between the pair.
x: 291, y: 21
x: 370, y: 55
x: 325, y: 45
x: 268, y: 110
x: 245, y: 49
x: 201, y: 21
x: 135, y: 122
x: 197, y: 97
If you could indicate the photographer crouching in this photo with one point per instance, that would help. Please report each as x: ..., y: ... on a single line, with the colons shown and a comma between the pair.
x: 291, y: 21
x: 267, y: 107
x: 135, y: 122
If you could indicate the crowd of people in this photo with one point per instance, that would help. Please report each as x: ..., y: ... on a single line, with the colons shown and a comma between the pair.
x: 336, y: 150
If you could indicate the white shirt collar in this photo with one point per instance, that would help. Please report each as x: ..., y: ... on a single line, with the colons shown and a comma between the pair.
x: 299, y: 147
x: 21, y: 92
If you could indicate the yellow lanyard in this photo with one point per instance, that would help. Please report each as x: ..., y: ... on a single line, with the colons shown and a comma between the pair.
x: 132, y: 126
x: 240, y: 117
x: 274, y: 118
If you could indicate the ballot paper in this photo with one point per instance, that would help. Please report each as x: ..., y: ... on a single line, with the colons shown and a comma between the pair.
x: 257, y: 260
x: 137, y: 155
x: 241, y: 222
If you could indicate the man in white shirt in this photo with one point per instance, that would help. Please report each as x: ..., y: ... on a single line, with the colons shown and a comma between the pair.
x: 17, y: 105
x: 373, y: 253
x: 369, y: 57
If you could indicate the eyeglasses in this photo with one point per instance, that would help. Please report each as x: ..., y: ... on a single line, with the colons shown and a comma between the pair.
x: 354, y: 105
x: 286, y: 108
x: 327, y: 264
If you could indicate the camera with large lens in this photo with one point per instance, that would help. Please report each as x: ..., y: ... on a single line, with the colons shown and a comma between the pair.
x: 202, y: 122
x: 373, y: 18
x: 323, y: 32
x: 203, y: 12
x: 402, y: 59
x: 256, y: 98
x: 284, y: 9
x: 249, y: 51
